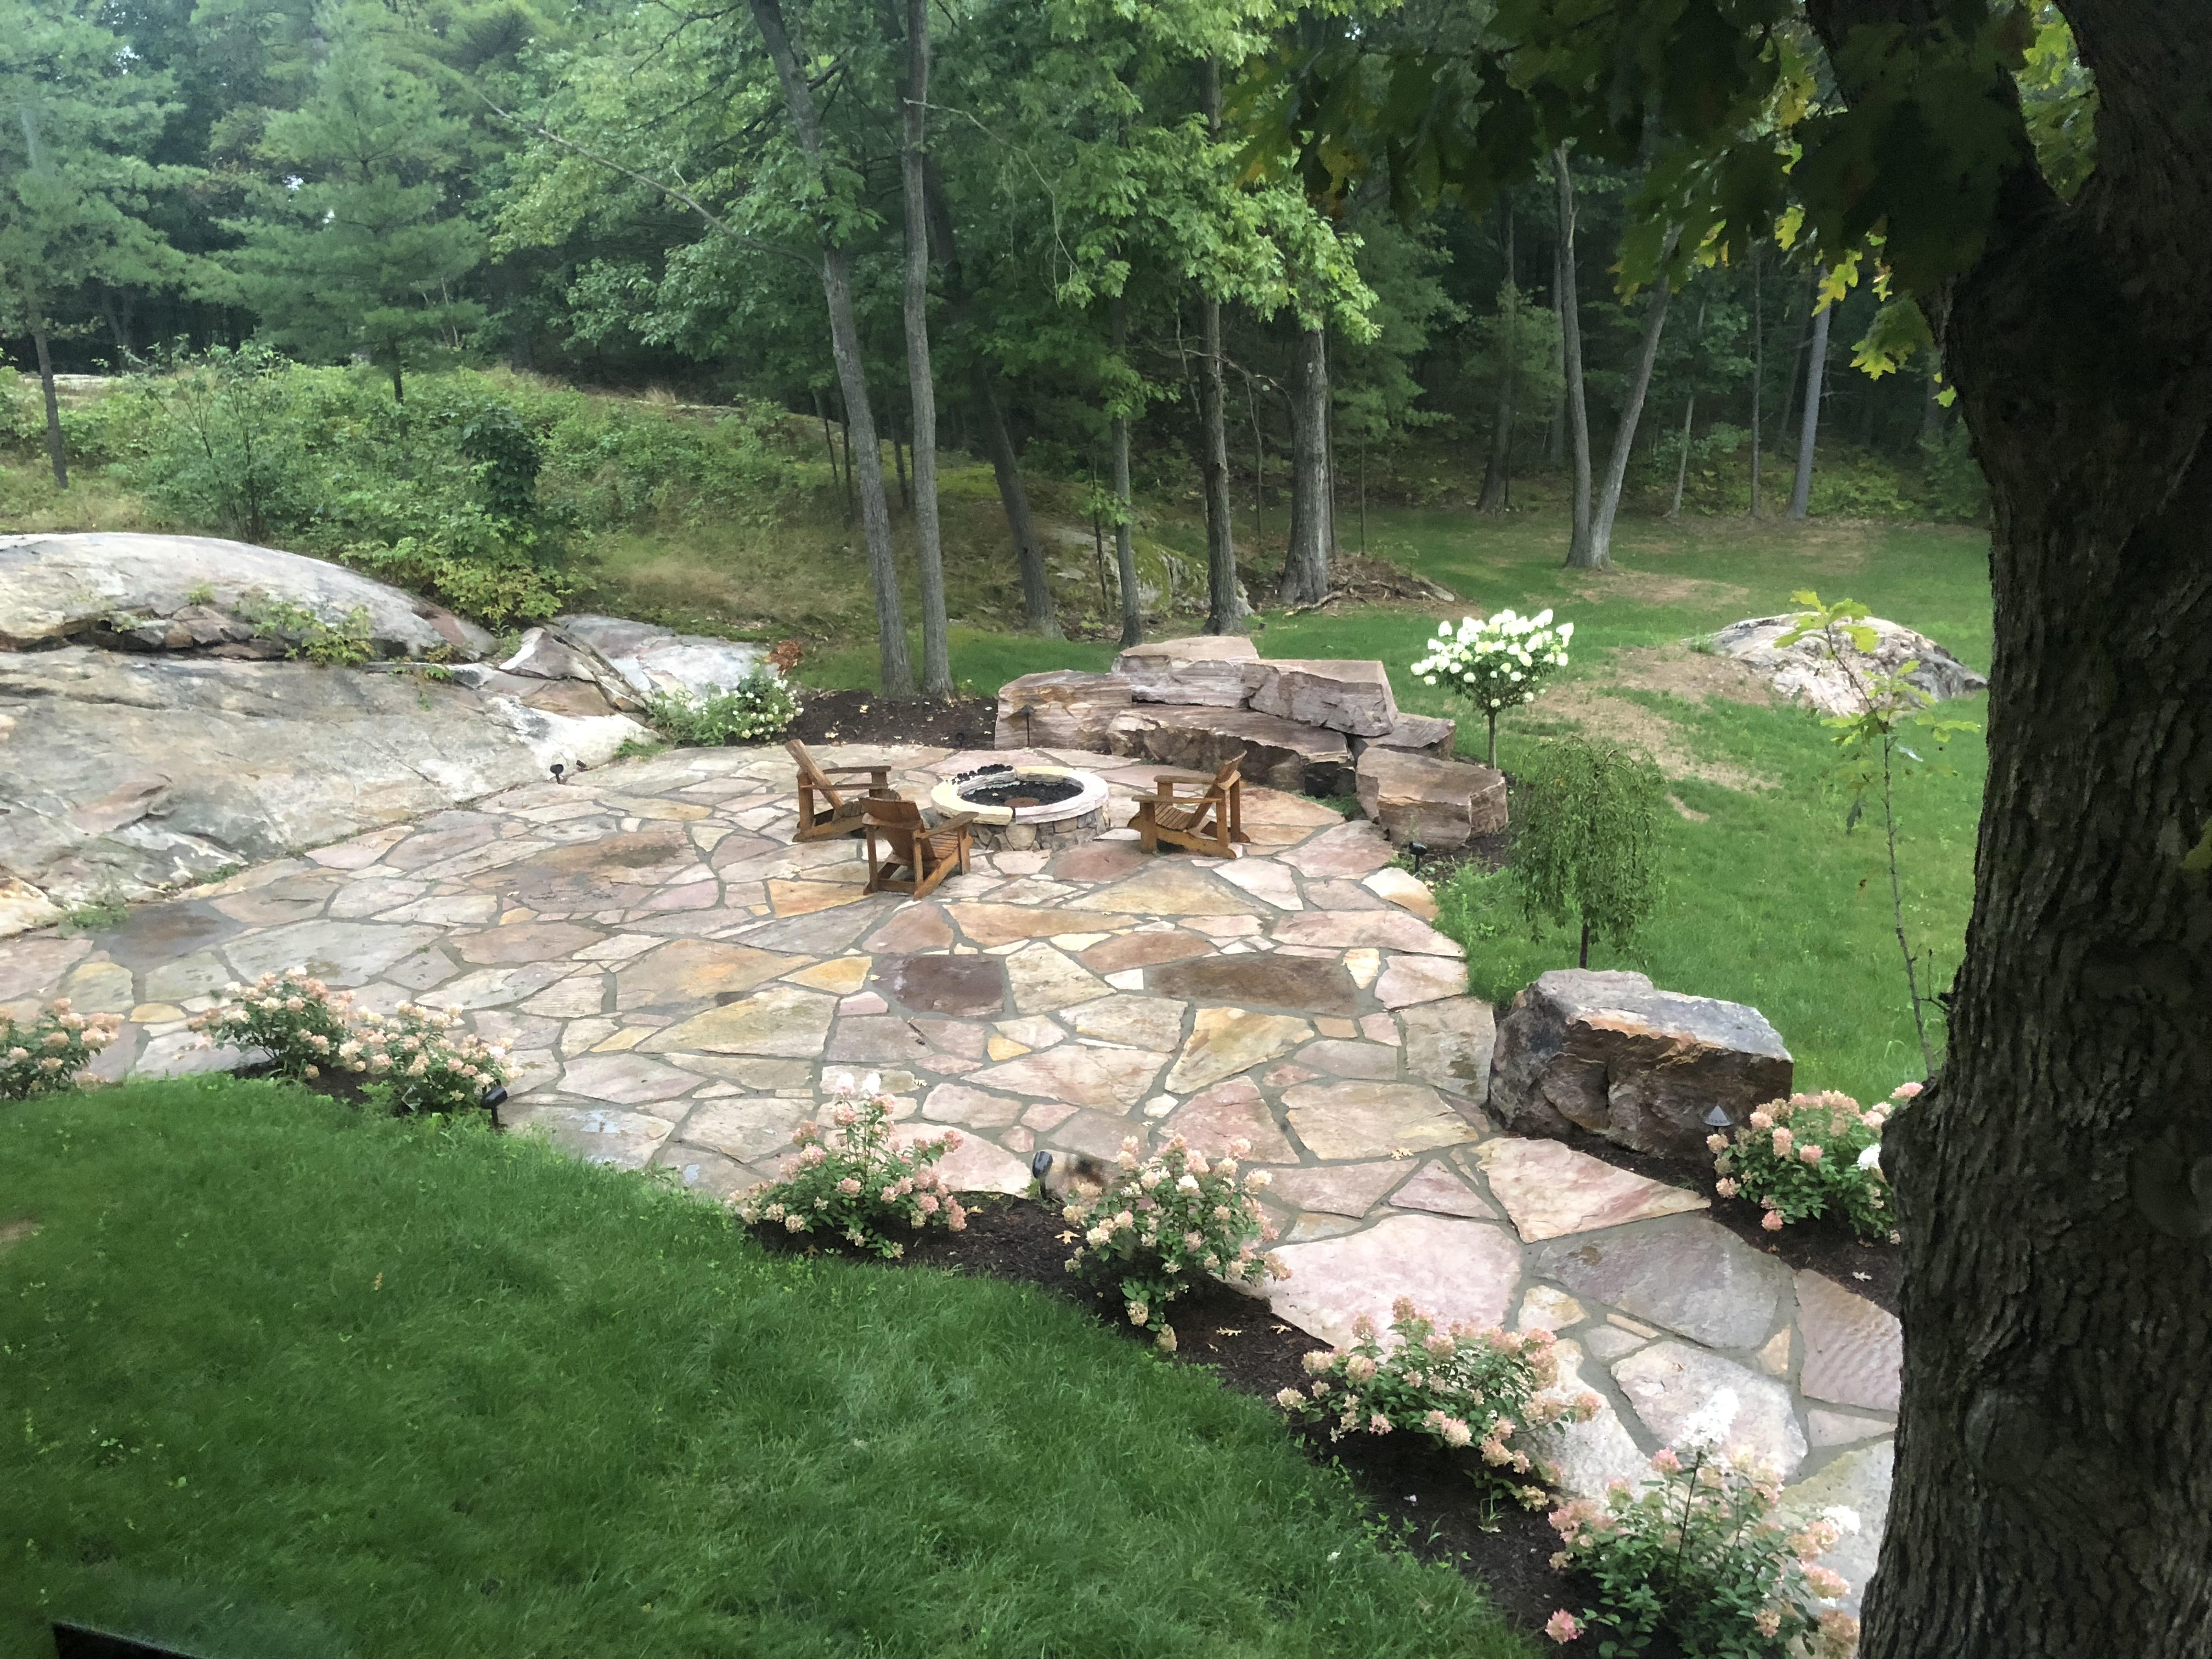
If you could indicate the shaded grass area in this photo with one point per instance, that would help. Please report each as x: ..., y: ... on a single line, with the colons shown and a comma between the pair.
x: 292, y: 1381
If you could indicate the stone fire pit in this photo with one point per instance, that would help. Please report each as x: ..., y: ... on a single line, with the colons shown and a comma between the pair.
x: 1018, y: 808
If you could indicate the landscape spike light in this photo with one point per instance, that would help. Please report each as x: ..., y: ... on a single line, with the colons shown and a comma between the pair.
x: 495, y: 1097
x: 1718, y: 1118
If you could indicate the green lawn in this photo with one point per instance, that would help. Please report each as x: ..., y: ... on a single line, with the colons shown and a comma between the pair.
x: 284, y: 1381
x: 1768, y: 901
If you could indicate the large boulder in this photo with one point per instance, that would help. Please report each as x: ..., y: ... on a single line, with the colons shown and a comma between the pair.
x: 126, y: 773
x: 199, y: 593
x: 652, y: 659
x: 1349, y: 696
x: 1206, y: 670
x: 1807, y: 673
x: 1606, y: 1052
x: 552, y: 668
x: 1062, y: 709
x: 1277, y: 753
x: 1442, y: 804
x: 1422, y: 734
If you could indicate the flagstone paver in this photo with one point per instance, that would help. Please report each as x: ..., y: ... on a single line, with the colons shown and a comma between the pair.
x: 678, y: 983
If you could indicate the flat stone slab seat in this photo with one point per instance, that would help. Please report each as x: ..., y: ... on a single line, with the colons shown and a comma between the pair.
x: 1442, y: 804
x: 676, y: 982
x: 1061, y: 709
x: 1352, y: 697
x: 1207, y: 670
x: 1609, y: 1053
x: 1282, y: 754
x: 1426, y: 734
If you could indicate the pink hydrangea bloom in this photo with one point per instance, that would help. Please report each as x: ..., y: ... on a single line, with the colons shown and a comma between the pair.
x: 1563, y: 1627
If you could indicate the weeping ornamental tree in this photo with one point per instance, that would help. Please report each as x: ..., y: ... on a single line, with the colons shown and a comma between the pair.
x: 1586, y: 839
x: 2053, y: 1481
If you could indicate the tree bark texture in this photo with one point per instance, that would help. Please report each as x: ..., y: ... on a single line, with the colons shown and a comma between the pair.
x: 1757, y: 368
x: 897, y: 673
x: 1306, y: 567
x: 1581, y: 552
x: 2053, y: 1495
x: 1555, y: 430
x: 1498, y: 473
x: 1624, y: 437
x: 998, y: 440
x: 1125, y: 548
x: 936, y: 645
x: 1224, y: 613
x: 1809, y: 427
x: 56, y: 453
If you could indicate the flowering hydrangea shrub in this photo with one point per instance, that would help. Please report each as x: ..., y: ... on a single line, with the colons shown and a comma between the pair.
x: 853, y: 1180
x: 48, y: 1055
x: 298, y: 1021
x: 1698, y: 1552
x: 414, y: 1060
x: 1161, y: 1221
x: 759, y: 707
x: 1460, y: 1386
x: 1496, y: 662
x: 422, y: 1060
x: 1812, y: 1155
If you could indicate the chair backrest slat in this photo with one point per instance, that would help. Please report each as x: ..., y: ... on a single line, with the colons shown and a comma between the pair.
x: 811, y: 773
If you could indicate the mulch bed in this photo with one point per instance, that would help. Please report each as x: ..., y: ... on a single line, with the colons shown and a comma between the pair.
x: 864, y: 717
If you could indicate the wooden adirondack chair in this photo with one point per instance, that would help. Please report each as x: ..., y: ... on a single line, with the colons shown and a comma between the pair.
x: 899, y: 839
x: 1210, y: 820
x: 843, y: 815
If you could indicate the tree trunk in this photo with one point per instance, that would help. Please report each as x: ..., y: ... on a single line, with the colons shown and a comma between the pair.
x: 1005, y: 461
x: 830, y: 443
x: 896, y: 673
x: 1125, y: 551
x: 1305, y: 565
x: 1758, y: 369
x: 936, y: 647
x: 898, y: 463
x: 1683, y: 463
x: 1555, y: 430
x: 2053, y: 1484
x: 1800, y: 491
x: 1624, y: 438
x: 1582, y: 553
x: 1796, y: 369
x: 1224, y: 613
x: 1497, y: 474
x: 1931, y: 411
x: 55, y: 453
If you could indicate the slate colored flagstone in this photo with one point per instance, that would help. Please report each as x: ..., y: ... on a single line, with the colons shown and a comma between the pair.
x: 1690, y: 1274
x: 1304, y: 983
x: 965, y: 986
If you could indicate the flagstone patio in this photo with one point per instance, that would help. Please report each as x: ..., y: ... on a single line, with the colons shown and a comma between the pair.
x: 677, y: 979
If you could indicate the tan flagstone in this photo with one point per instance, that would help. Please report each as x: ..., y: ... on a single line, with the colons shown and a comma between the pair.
x: 1351, y: 1060
x: 1353, y: 848
x: 1169, y: 888
x: 973, y: 1108
x: 1410, y: 980
x: 599, y: 1135
x: 1031, y: 1032
x: 800, y: 898
x: 1044, y: 980
x: 1345, y: 929
x: 627, y: 1079
x: 746, y: 1128
x: 989, y: 924
x: 1229, y: 1111
x: 1135, y: 1022
x: 999, y: 1048
x: 1266, y: 879
x: 1404, y: 889
x: 1350, y: 1189
x: 840, y: 974
x: 1440, y: 1188
x: 578, y: 994
x: 1853, y: 1347
x: 690, y: 972
x: 1363, y: 964
x: 780, y: 1020
x: 1223, y: 1041
x: 1449, y: 1043
x: 1543, y: 1309
x: 1670, y: 1383
x: 1112, y: 1078
x: 1455, y: 1270
x: 1371, y: 1120
x: 1551, y: 1189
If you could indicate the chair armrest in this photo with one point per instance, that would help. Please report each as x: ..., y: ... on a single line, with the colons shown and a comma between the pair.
x: 854, y: 771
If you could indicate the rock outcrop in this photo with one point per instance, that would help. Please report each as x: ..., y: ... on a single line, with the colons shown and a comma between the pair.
x: 1352, y: 697
x: 1806, y: 672
x: 127, y: 773
x: 1609, y: 1053
x: 1206, y: 670
x: 199, y: 593
x: 652, y: 659
x: 1440, y: 804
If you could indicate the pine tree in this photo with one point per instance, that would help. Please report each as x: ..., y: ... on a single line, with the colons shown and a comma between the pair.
x: 357, y: 252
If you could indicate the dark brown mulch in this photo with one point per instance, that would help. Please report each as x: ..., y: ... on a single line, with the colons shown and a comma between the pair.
x: 1443, y: 1513
x: 864, y: 717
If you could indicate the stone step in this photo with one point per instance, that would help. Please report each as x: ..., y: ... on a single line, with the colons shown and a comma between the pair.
x: 1442, y: 804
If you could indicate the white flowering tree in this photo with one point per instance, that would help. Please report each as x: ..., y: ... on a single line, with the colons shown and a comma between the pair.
x: 1496, y: 662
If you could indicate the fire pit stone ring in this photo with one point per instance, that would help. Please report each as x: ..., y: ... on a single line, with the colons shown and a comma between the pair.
x: 1076, y: 816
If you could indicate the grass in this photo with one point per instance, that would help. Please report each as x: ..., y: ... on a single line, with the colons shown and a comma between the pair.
x: 284, y: 1380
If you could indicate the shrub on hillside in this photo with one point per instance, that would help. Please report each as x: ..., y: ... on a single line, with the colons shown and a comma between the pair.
x: 50, y: 1052
x: 759, y: 707
x: 854, y: 1180
x: 1812, y: 1155
x: 1160, y: 1223
x: 1458, y: 1386
x: 1698, y: 1553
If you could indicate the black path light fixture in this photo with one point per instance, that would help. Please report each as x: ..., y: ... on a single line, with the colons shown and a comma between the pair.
x: 1419, y: 849
x: 494, y: 1098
